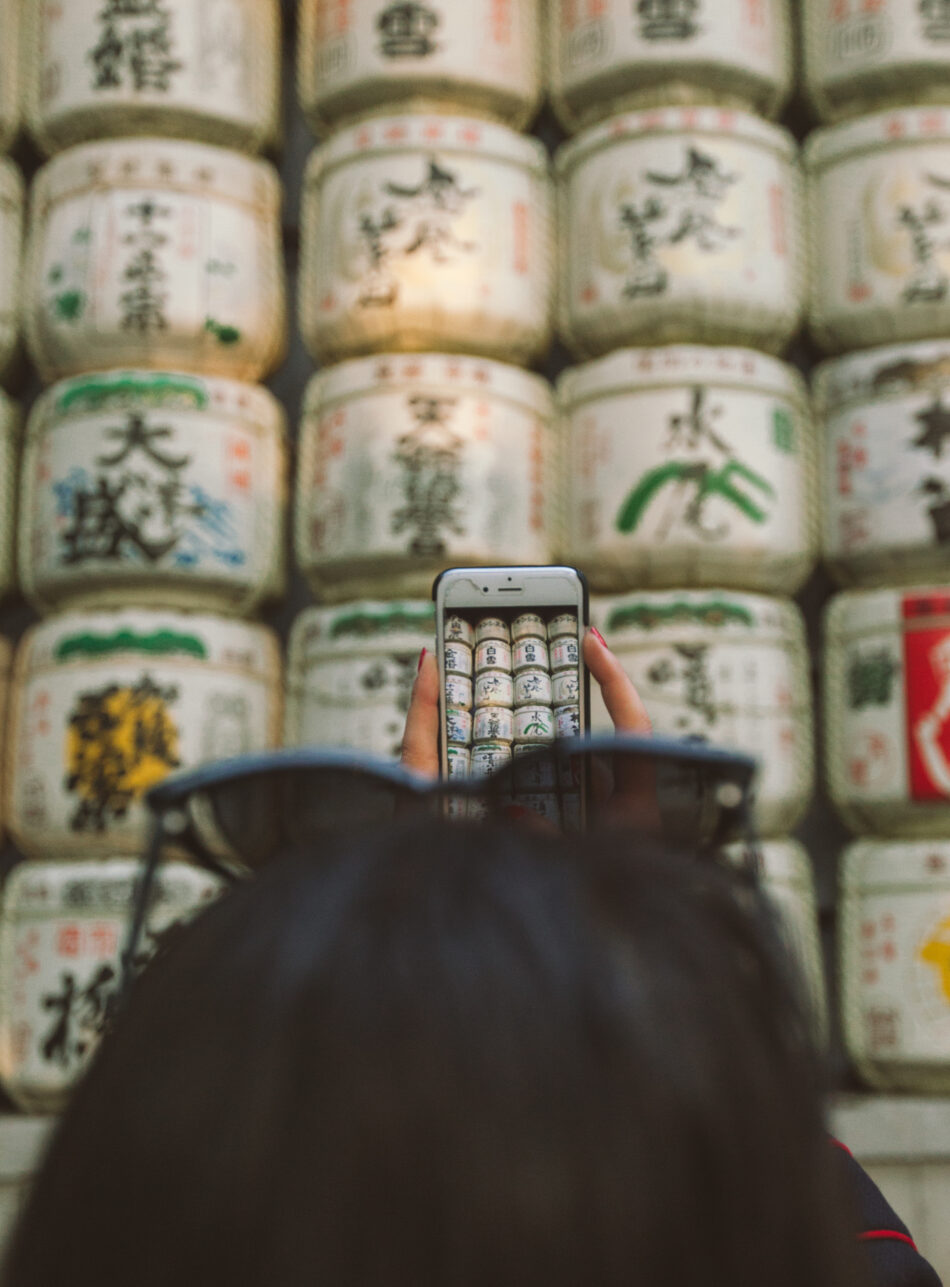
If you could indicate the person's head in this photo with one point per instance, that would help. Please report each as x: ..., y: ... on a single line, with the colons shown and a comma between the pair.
x: 451, y: 1057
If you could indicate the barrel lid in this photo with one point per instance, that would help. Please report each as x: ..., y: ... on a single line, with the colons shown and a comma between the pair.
x: 889, y: 864
x: 12, y: 186
x: 166, y: 164
x: 725, y: 122
x: 427, y: 132
x: 109, y: 391
x: 99, y: 885
x: 365, y: 625
x: 858, y: 612
x: 875, y: 373
x: 882, y: 129
x: 154, y: 636
x: 676, y: 365
x: 467, y: 375
x: 725, y: 614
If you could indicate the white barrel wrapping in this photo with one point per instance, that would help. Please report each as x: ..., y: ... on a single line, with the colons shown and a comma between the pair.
x: 9, y: 465
x: 111, y: 68
x: 680, y: 225
x: 605, y: 59
x: 105, y: 705
x: 11, y: 268
x: 161, y: 486
x: 894, y: 963
x: 860, y: 57
x: 785, y: 871
x: 689, y: 466
x: 411, y: 464
x: 11, y: 57
x: 63, y: 928
x: 427, y: 232
x: 350, y: 672
x: 885, y: 494
x: 155, y: 253
x: 726, y: 668
x: 482, y: 56
x: 879, y: 215
x: 887, y: 710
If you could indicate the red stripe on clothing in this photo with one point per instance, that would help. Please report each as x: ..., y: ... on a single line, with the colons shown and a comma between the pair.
x: 872, y: 1234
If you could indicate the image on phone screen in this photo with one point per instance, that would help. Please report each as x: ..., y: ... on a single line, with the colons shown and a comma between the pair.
x: 512, y: 685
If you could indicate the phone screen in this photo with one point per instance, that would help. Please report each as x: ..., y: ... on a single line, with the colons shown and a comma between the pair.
x: 512, y: 683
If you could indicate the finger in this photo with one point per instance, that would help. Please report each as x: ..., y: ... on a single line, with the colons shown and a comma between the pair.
x: 420, y: 741
x: 622, y: 700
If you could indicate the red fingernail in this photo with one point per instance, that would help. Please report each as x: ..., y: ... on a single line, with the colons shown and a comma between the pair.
x: 422, y: 657
x: 598, y: 636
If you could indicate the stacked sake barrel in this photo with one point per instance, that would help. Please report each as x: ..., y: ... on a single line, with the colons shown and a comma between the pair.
x: 427, y: 270
x: 878, y: 76
x: 689, y: 477
x: 152, y: 483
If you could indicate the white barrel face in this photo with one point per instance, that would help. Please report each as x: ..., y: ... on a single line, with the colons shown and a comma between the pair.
x: 159, y: 485
x: 725, y: 668
x: 887, y: 710
x: 689, y: 466
x: 9, y: 464
x: 483, y: 56
x: 156, y: 254
x: 107, y: 68
x: 11, y: 250
x: 10, y: 71
x: 680, y: 225
x: 885, y: 471
x: 427, y: 232
x: 350, y: 672
x: 610, y: 56
x: 894, y: 962
x: 63, y: 927
x: 409, y: 465
x: 861, y: 57
x: 105, y: 705
x: 879, y: 197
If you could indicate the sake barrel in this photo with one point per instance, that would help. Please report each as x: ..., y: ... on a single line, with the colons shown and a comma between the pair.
x: 9, y: 442
x: 160, y: 487
x: 887, y: 707
x: 894, y: 962
x: 155, y: 253
x: 860, y: 57
x: 879, y: 216
x: 112, y: 68
x: 63, y: 927
x: 689, y: 466
x: 725, y: 668
x: 885, y: 474
x: 411, y: 464
x: 605, y: 59
x: 11, y: 244
x: 350, y: 671
x: 427, y: 232
x: 107, y: 704
x: 786, y: 875
x: 10, y: 58
x: 483, y: 56
x: 680, y: 224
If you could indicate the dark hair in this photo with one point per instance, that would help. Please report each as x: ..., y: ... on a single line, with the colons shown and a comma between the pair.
x: 444, y: 1057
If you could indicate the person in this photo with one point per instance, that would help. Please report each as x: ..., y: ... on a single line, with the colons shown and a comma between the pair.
x: 447, y: 1055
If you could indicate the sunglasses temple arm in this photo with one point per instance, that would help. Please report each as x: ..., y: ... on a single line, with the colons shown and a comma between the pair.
x: 140, y: 907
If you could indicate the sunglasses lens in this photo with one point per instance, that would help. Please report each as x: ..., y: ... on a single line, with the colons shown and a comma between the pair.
x: 248, y: 821
x: 686, y: 799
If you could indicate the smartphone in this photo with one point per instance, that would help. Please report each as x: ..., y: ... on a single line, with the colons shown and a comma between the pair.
x: 512, y: 678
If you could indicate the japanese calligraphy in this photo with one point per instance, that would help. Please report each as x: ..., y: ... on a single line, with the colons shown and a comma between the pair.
x: 406, y: 29
x: 667, y: 19
x: 135, y: 43
x: 429, y: 458
x: 143, y: 302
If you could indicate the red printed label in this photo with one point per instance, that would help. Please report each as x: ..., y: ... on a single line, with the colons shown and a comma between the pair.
x: 927, y: 685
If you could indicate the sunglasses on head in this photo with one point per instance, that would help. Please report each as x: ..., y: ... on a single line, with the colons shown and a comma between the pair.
x: 236, y: 816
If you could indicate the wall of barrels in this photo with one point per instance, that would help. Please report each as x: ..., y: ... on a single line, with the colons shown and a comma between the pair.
x: 588, y: 343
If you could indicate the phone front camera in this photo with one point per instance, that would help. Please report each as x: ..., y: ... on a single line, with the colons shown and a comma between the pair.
x: 484, y: 589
